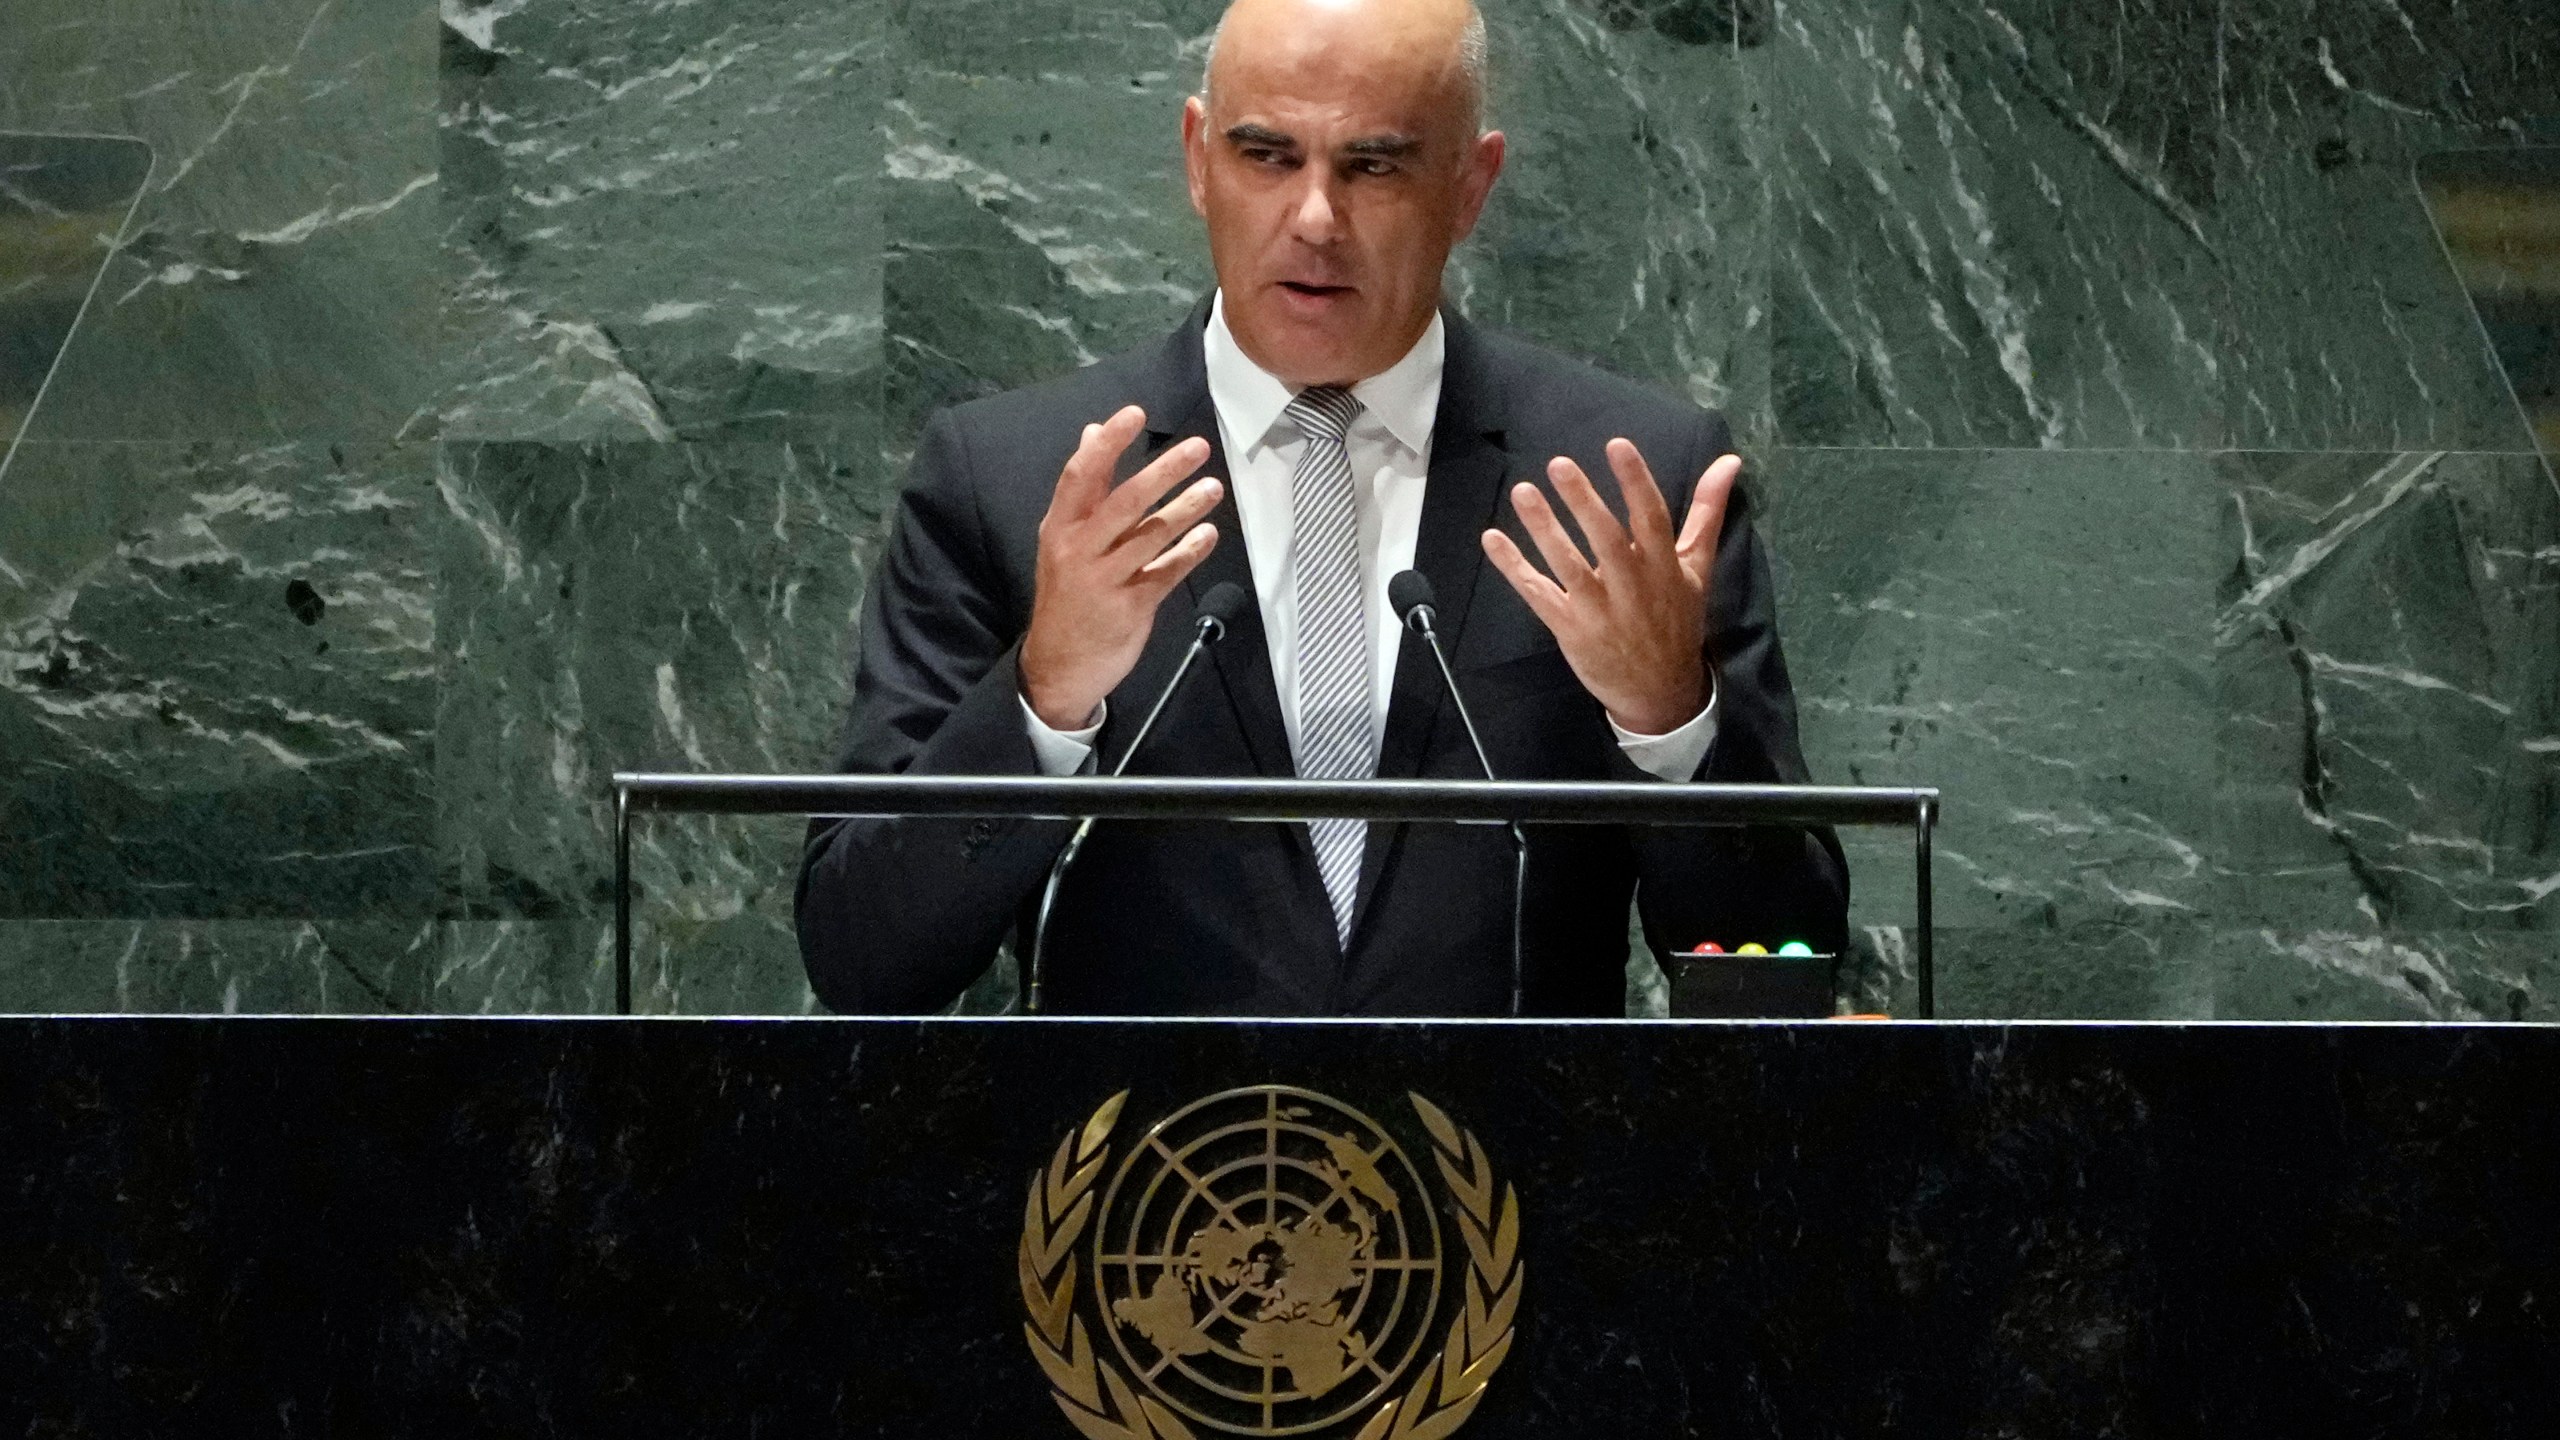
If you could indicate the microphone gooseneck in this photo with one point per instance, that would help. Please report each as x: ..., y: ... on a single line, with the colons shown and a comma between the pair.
x: 1409, y: 594
x: 1219, y: 610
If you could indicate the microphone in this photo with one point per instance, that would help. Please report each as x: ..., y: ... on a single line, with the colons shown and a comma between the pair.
x: 1409, y: 595
x: 1219, y: 610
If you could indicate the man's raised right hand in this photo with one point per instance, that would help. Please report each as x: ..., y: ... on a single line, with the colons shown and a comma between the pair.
x: 1108, y: 557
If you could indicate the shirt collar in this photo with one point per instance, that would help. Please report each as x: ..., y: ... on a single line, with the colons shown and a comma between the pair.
x: 1404, y: 397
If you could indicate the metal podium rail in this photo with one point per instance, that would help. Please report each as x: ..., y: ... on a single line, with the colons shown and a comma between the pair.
x: 1461, y: 801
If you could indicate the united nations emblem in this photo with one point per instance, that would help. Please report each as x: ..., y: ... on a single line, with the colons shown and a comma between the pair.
x: 1268, y: 1261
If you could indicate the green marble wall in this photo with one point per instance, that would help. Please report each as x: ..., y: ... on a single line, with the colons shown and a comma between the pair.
x: 491, y: 395
x: 63, y: 201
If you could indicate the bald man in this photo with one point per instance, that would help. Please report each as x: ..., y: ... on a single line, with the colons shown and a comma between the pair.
x: 1319, y: 424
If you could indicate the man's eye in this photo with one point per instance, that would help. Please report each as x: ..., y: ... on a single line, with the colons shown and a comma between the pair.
x: 1263, y: 155
x: 1373, y: 167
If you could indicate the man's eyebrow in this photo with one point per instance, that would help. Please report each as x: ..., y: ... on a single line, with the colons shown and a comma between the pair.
x: 1260, y: 135
x: 1383, y: 147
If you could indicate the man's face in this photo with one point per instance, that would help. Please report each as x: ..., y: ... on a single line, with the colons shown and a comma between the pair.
x: 1336, y: 167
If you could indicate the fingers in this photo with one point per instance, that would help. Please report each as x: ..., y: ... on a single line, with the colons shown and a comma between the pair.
x: 1536, y: 591
x: 1149, y: 537
x: 1564, y: 558
x: 1648, y: 516
x: 1137, y: 495
x: 1078, y: 488
x: 1167, y: 570
x: 1705, y: 522
x: 1086, y: 481
x: 1599, y: 527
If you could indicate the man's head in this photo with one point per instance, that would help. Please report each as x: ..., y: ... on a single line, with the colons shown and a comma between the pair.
x: 1336, y: 154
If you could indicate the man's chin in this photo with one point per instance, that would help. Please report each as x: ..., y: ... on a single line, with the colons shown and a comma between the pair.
x: 1312, y: 339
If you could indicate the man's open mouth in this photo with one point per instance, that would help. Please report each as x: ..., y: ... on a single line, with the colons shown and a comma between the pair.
x: 1301, y: 287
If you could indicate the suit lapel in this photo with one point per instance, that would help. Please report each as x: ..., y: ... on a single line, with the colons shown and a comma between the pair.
x: 1461, y: 499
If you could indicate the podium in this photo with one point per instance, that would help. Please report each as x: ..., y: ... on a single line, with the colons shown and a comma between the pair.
x: 646, y: 1228
x: 1338, y: 1229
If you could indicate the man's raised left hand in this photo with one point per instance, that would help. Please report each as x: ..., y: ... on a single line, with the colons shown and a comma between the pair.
x: 1631, y: 615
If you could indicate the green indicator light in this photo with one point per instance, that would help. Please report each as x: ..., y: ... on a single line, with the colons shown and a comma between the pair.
x: 1795, y: 947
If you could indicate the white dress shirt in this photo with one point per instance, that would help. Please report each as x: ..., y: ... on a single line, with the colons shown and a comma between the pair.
x: 1390, y: 448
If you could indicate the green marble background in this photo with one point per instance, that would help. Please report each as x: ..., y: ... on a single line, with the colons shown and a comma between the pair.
x: 494, y: 393
x: 64, y: 200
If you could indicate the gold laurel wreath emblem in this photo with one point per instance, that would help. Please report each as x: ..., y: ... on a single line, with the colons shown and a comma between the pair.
x: 1101, y: 1402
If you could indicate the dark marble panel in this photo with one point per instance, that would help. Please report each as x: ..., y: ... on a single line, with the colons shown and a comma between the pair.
x: 2194, y: 968
x: 249, y: 967
x: 1648, y: 992
x: 1992, y: 222
x: 662, y: 220
x: 279, y: 278
x: 2498, y: 214
x: 1690, y: 22
x: 1880, y: 973
x: 2027, y: 631
x: 644, y: 1229
x: 2137, y: 967
x: 2388, y: 665
x: 1038, y: 217
x: 2273, y: 974
x: 517, y: 967
x: 2347, y: 329
x: 1631, y: 224
x: 641, y: 606
x: 217, y: 681
x: 64, y: 200
x: 1036, y: 213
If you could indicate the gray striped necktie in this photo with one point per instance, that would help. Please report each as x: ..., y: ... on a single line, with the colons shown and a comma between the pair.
x: 1334, y: 736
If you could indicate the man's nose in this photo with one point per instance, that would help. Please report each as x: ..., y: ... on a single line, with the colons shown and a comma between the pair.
x: 1318, y: 218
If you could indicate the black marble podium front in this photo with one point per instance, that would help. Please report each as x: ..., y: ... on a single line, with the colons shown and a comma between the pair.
x: 785, y: 1228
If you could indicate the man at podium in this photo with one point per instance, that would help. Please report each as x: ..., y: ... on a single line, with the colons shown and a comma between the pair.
x: 1317, y: 426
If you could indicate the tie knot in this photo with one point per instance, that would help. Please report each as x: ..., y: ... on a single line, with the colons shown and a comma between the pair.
x: 1323, y: 412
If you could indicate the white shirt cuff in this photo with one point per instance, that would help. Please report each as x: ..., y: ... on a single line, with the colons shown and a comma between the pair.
x: 1067, y: 752
x: 1675, y: 756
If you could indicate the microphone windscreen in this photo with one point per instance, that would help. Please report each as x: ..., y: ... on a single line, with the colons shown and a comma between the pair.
x: 1225, y: 603
x: 1407, y: 591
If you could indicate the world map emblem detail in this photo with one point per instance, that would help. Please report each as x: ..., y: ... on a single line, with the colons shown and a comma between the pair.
x: 1269, y: 1261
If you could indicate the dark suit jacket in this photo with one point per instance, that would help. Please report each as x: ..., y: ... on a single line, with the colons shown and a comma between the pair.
x: 1168, y: 918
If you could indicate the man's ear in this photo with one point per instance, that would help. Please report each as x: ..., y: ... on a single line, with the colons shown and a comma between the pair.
x: 1195, y: 152
x: 1484, y: 166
